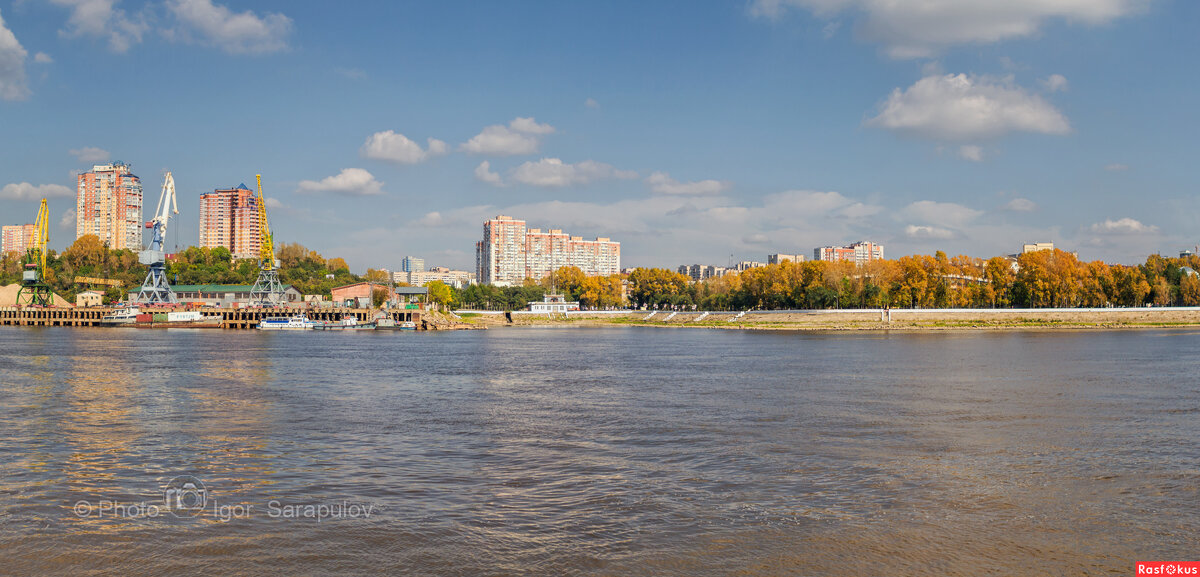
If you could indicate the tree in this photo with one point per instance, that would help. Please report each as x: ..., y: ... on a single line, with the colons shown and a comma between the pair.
x: 440, y: 294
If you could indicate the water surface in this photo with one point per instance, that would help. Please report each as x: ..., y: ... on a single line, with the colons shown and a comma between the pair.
x: 601, y: 451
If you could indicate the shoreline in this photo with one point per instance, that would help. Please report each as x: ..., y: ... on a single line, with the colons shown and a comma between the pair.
x: 863, y: 319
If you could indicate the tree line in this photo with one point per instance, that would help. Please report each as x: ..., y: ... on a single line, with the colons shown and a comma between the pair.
x: 1042, y: 279
x: 307, y: 270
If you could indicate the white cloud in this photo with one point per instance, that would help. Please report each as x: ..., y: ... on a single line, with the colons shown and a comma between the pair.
x: 68, y: 219
x: 1021, y: 205
x: 1124, y: 226
x: 521, y: 136
x: 553, y: 172
x: 234, y: 33
x: 756, y: 238
x: 591, y: 103
x: 959, y: 107
x: 1117, y: 167
x: 43, y: 58
x: 274, y: 203
x: 922, y: 28
x: 484, y: 173
x: 972, y: 152
x: 12, y: 66
x: 90, y: 154
x: 101, y: 19
x: 530, y: 126
x: 1055, y: 83
x: 349, y: 182
x: 927, y: 233
x: 939, y: 213
x: 26, y: 191
x: 394, y: 147
x: 662, y: 183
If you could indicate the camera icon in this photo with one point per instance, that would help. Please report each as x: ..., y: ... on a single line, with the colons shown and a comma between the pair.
x: 185, y: 496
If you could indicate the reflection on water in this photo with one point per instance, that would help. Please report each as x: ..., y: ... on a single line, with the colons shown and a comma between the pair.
x: 602, y: 451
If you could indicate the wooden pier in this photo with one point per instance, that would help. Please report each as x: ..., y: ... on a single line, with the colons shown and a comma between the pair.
x: 230, y: 318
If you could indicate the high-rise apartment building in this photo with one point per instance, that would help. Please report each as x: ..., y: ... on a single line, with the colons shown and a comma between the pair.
x: 412, y: 264
x: 17, y: 238
x: 509, y: 253
x: 859, y: 253
x: 108, y: 204
x: 229, y: 218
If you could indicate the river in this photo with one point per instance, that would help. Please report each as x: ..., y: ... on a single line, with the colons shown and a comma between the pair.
x: 597, y: 451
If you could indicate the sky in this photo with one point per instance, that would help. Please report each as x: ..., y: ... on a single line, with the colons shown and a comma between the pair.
x: 691, y: 132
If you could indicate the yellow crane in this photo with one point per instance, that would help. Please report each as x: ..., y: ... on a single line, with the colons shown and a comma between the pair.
x: 34, y: 290
x: 267, y: 290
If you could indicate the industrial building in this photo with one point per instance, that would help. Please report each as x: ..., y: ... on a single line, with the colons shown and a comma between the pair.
x: 227, y: 295
x: 108, y: 204
x: 229, y: 218
x: 359, y: 294
x: 509, y: 253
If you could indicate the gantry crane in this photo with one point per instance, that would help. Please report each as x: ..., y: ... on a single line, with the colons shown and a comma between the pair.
x: 155, y: 289
x: 34, y: 290
x: 267, y: 290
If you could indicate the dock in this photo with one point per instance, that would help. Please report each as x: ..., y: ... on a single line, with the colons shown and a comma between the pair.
x: 231, y: 318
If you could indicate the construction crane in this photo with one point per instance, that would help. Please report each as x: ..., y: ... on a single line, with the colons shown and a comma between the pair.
x: 155, y: 289
x: 267, y: 290
x: 34, y: 290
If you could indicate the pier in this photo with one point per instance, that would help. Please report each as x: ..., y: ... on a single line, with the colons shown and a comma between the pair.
x: 230, y: 318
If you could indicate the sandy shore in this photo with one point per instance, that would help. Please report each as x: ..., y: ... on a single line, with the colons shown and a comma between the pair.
x: 849, y: 320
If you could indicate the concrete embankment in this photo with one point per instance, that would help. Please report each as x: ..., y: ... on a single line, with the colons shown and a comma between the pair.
x: 861, y: 319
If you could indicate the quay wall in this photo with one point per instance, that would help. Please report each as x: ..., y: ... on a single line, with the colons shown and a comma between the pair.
x: 230, y: 318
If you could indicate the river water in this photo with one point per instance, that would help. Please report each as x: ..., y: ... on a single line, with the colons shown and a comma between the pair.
x: 597, y: 451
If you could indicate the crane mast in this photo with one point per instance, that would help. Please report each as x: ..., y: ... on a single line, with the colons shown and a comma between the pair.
x: 34, y: 290
x: 155, y: 289
x: 267, y: 290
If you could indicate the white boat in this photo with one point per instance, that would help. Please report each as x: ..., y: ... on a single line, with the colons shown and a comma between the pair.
x: 292, y: 323
x: 121, y: 316
x: 348, y: 323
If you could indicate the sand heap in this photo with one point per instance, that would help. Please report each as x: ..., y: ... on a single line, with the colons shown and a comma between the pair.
x: 8, y: 297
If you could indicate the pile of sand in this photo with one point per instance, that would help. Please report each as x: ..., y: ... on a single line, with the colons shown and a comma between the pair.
x: 8, y: 297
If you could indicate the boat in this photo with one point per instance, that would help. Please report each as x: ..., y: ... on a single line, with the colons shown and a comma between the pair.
x: 348, y: 323
x: 292, y: 323
x: 121, y: 316
x: 386, y: 323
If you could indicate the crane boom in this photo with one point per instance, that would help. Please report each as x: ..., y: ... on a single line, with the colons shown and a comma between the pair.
x: 41, y: 236
x: 267, y: 250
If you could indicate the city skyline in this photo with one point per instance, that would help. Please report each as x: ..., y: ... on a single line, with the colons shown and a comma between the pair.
x: 687, y: 134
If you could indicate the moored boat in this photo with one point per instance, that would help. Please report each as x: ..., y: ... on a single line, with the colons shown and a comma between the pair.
x: 292, y: 323
x: 348, y: 323
x: 121, y: 316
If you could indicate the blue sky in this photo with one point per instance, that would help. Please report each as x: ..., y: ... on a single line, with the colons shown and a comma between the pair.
x: 689, y: 131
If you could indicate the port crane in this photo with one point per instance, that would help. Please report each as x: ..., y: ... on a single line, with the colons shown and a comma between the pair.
x: 155, y: 289
x: 34, y: 290
x: 267, y: 290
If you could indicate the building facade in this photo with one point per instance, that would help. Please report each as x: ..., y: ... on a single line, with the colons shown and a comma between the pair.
x: 229, y: 218
x: 455, y: 278
x: 108, y: 204
x: 509, y: 253
x: 779, y: 258
x: 859, y: 253
x: 412, y: 264
x: 699, y: 272
x: 17, y: 238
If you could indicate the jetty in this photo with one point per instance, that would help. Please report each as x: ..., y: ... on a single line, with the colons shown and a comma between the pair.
x: 231, y: 318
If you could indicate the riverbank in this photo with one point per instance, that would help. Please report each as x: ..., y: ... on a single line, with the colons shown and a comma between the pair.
x: 861, y: 319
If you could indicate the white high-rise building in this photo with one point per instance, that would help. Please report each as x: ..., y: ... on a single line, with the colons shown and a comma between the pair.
x: 509, y: 253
